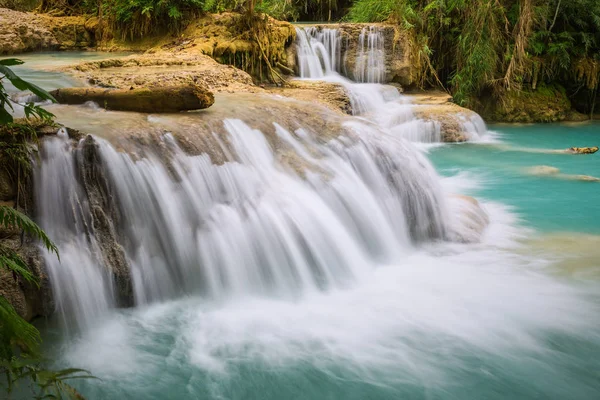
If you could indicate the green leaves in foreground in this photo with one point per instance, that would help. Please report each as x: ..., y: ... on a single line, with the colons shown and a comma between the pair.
x: 9, y: 217
x: 6, y: 103
x: 44, y: 384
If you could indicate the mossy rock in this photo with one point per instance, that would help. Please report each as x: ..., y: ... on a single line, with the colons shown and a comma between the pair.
x: 546, y: 103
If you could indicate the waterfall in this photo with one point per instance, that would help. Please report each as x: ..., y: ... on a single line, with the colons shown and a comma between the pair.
x: 319, y: 52
x: 370, y: 60
x: 81, y: 284
x: 258, y: 224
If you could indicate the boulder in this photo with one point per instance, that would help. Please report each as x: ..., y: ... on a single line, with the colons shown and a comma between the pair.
x: 150, y: 100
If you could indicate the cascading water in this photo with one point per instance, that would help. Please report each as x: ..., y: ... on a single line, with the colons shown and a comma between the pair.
x: 319, y: 52
x: 311, y: 259
x: 247, y: 226
x: 82, y: 285
x: 370, y: 60
x: 383, y: 104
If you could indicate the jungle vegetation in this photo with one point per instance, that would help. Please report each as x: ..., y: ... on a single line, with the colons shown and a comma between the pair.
x: 471, y: 48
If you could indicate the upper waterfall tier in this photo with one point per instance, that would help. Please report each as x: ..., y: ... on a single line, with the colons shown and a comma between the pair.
x: 362, y: 53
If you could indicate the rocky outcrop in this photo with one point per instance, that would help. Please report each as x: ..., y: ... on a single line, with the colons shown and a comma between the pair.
x: 149, y: 100
x: 21, y: 32
x: 456, y: 124
x: 331, y: 95
x: 164, y: 69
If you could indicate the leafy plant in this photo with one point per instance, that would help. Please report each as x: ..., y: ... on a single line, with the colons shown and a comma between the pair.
x: 7, y: 103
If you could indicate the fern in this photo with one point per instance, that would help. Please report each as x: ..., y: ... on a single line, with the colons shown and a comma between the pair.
x: 14, y: 330
x: 9, y: 217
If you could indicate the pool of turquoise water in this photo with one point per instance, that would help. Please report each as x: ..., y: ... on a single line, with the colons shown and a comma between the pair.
x: 44, y: 68
x: 554, y: 202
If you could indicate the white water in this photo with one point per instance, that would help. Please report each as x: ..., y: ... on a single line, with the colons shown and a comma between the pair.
x: 370, y: 60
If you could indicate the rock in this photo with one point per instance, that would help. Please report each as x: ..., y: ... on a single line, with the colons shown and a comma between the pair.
x: 164, y: 69
x: 331, y: 95
x: 8, y: 191
x: 456, y: 124
x: 582, y: 150
x: 468, y: 220
x: 105, y: 217
x: 22, y: 31
x: 150, y: 100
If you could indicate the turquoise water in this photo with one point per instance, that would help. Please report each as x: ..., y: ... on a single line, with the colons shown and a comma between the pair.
x: 556, y: 202
x: 43, y: 69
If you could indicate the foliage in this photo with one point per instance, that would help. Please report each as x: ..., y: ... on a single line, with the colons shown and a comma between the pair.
x: 5, y: 101
x: 478, y: 47
x: 19, y: 340
x: 137, y: 18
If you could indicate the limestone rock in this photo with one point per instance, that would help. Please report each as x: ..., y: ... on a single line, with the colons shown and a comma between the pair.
x: 164, y: 69
x: 20, y: 32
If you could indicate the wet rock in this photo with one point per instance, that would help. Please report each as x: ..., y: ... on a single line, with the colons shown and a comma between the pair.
x: 451, y: 118
x: 105, y: 217
x: 468, y: 219
x: 150, y: 100
x: 331, y: 95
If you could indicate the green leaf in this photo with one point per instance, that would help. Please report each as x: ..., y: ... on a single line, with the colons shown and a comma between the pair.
x: 11, y: 61
x: 23, y: 85
x: 5, y: 116
x: 10, y: 260
x: 10, y: 217
x: 15, y: 330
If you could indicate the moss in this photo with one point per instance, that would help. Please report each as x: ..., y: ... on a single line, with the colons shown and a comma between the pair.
x: 547, y: 103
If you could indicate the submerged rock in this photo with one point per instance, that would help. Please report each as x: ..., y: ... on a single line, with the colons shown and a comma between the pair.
x: 150, y: 100
x: 468, y: 221
x: 582, y: 150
